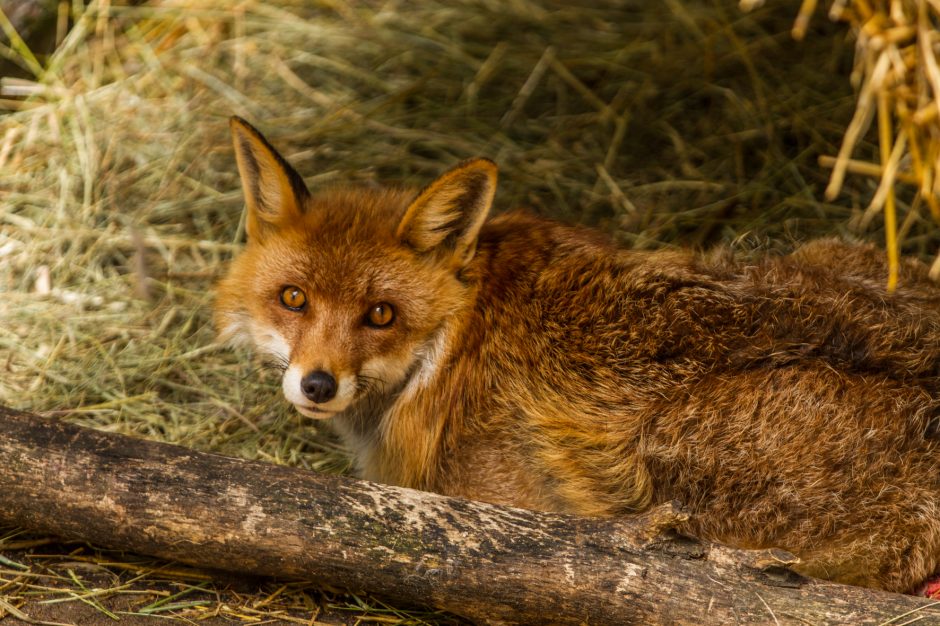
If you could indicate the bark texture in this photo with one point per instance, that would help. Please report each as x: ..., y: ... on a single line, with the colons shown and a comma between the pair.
x: 485, y: 562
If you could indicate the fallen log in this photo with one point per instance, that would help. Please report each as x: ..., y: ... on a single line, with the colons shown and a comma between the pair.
x: 488, y: 563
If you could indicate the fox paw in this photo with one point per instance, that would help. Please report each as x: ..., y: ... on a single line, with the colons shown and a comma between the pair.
x: 930, y: 588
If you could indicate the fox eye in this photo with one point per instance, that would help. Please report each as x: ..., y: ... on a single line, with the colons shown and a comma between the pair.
x: 293, y: 298
x: 380, y: 315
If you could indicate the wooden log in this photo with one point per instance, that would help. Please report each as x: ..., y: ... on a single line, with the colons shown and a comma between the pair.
x: 488, y: 563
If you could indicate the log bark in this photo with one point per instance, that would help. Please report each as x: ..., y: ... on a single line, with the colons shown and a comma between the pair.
x: 488, y: 563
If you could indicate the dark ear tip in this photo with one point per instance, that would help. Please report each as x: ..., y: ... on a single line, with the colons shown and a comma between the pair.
x: 239, y: 125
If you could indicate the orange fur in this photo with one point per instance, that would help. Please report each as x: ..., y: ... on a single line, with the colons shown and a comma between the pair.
x: 788, y: 401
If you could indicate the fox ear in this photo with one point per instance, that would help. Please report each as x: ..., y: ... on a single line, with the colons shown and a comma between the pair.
x: 447, y: 215
x: 274, y: 192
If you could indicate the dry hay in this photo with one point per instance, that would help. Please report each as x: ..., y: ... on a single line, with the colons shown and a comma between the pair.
x: 898, y: 74
x: 662, y: 123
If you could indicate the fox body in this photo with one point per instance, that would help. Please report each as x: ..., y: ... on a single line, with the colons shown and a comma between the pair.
x: 787, y: 401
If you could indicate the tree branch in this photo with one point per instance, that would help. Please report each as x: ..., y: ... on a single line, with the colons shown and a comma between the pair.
x: 488, y: 563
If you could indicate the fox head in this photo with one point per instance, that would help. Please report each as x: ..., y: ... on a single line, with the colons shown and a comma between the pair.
x: 348, y: 290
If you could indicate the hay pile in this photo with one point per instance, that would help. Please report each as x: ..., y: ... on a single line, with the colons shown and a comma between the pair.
x: 678, y: 122
x: 897, y: 70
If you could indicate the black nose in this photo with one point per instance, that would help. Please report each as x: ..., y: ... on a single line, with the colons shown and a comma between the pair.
x: 319, y: 386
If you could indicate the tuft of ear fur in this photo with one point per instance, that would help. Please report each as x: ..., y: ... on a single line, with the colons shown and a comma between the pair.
x: 274, y: 192
x: 447, y: 215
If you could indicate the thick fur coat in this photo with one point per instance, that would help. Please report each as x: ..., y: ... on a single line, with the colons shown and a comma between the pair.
x: 787, y: 401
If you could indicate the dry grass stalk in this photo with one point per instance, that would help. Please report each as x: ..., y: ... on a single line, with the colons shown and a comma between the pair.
x: 897, y: 65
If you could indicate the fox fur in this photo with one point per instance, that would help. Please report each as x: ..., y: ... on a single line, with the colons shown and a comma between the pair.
x: 788, y: 401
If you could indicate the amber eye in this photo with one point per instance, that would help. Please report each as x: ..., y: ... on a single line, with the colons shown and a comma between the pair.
x: 380, y: 315
x: 293, y: 298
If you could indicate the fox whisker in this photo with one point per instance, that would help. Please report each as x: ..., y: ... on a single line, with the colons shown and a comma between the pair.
x: 371, y: 385
x: 276, y: 363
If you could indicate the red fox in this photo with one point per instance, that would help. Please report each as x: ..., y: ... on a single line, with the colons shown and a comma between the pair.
x: 787, y: 401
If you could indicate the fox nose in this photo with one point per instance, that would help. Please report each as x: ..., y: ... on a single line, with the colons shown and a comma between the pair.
x: 319, y: 386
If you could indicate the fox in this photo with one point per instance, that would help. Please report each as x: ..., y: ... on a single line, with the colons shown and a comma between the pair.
x: 785, y: 400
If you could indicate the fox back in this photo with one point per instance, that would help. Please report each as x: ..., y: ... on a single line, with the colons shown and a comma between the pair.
x: 787, y: 401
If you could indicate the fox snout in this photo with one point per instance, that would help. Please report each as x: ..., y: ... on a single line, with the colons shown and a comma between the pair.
x: 318, y: 386
x: 318, y: 392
